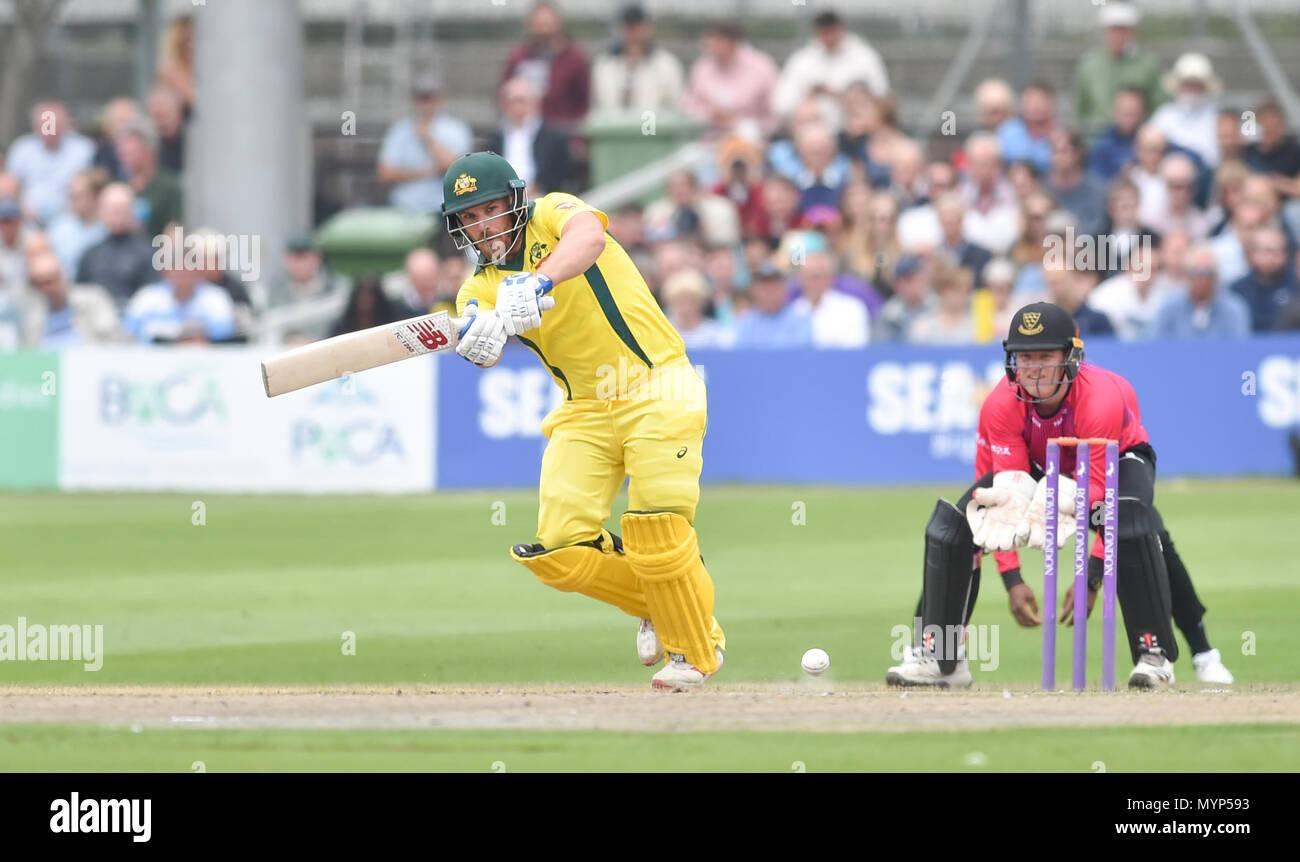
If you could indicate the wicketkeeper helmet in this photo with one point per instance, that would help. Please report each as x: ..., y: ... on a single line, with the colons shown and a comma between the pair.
x: 1042, y: 326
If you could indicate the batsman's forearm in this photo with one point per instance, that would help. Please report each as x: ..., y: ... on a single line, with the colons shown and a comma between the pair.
x: 581, y: 243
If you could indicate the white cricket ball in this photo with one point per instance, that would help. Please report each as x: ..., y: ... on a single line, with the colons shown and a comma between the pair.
x: 815, y: 662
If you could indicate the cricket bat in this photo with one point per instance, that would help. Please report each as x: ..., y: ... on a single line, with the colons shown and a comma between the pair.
x: 331, y: 358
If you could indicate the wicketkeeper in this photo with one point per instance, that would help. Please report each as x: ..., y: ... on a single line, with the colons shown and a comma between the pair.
x: 634, y: 407
x: 1049, y: 391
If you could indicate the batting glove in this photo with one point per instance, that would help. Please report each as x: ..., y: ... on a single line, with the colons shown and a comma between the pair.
x: 482, y: 336
x: 997, y: 515
x: 521, y: 299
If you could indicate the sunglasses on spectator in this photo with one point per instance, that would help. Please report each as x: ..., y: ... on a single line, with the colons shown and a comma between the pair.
x: 43, y: 282
x: 1179, y: 185
x: 1201, y: 273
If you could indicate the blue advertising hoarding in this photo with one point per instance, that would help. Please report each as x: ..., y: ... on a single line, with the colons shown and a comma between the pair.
x: 889, y: 414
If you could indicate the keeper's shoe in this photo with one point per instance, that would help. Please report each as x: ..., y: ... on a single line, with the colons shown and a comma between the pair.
x: 648, y: 648
x: 1153, y: 670
x: 1209, y: 668
x: 922, y: 669
x: 681, y: 675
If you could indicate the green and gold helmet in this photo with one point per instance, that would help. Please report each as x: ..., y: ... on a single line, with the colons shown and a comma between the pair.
x: 476, y: 179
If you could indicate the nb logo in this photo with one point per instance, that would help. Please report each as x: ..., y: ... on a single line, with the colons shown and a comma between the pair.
x: 428, y: 335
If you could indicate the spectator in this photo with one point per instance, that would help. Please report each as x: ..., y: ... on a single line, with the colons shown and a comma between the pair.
x: 688, y: 212
x: 68, y: 316
x: 1070, y: 288
x: 556, y: 65
x: 684, y: 295
x: 870, y: 134
x: 919, y: 228
x: 1289, y: 319
x: 1191, y: 119
x: 158, y: 200
x: 1039, y: 223
x: 367, y: 306
x: 13, y: 234
x: 538, y: 153
x: 298, y: 305
x: 1277, y: 155
x: 907, y: 175
x: 1270, y: 285
x: 1181, y: 212
x: 1071, y: 187
x: 1025, y: 181
x: 771, y: 322
x: 826, y: 65
x: 123, y: 261
x: 674, y: 256
x: 418, y: 149
x: 838, y: 320
x: 1150, y: 148
x: 1130, y: 297
x: 1227, y: 129
x: 636, y: 74
x: 740, y: 167
x: 46, y: 159
x: 112, y: 120
x: 950, y: 321
x: 176, y: 61
x: 1113, y: 150
x: 992, y: 216
x: 1230, y: 245
x: 823, y: 171
x: 421, y: 295
x: 181, y: 307
x: 1102, y: 73
x: 10, y: 186
x: 726, y: 284
x: 627, y: 225
x: 995, y: 102
x: 1171, y: 255
x: 731, y: 84
x: 1229, y: 180
x: 953, y: 245
x: 999, y: 277
x: 873, y: 247
x: 1121, y: 231
x: 781, y: 203
x: 222, y: 265
x: 168, y: 116
x: 78, y: 227
x: 1027, y: 137
x: 1202, y: 309
x: 912, y: 298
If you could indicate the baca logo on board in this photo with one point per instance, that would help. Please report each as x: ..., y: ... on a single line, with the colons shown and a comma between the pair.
x: 185, y: 397
x: 360, y: 442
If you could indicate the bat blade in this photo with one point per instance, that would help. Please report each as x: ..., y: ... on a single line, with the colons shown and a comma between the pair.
x: 331, y: 358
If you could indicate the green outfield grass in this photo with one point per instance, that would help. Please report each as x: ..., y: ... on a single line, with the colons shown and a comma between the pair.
x: 265, y: 591
x: 76, y: 748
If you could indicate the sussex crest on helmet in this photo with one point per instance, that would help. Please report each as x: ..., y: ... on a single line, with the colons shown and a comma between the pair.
x: 1029, y: 324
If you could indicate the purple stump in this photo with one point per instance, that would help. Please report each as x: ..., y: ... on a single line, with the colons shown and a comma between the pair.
x: 1108, y: 568
x: 1053, y: 469
x: 1081, y: 472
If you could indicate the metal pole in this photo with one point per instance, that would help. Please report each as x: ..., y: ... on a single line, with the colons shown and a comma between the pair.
x: 1020, y: 63
x: 148, y: 22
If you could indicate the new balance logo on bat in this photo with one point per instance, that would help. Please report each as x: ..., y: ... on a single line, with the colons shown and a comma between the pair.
x: 427, y: 336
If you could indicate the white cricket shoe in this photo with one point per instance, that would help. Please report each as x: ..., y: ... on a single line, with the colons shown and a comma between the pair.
x: 921, y: 668
x: 1209, y: 668
x: 648, y: 648
x: 1153, y: 670
x: 681, y: 675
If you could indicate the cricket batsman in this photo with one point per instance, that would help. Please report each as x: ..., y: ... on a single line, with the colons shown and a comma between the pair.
x: 633, y: 407
x: 1048, y: 392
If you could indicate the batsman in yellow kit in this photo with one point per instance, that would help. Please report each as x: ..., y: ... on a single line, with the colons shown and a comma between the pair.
x: 634, y: 408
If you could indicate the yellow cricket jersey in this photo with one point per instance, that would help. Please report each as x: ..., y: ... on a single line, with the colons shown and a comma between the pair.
x: 603, y: 319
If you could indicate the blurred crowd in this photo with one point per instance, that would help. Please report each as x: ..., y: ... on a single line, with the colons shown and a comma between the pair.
x: 1138, y: 201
